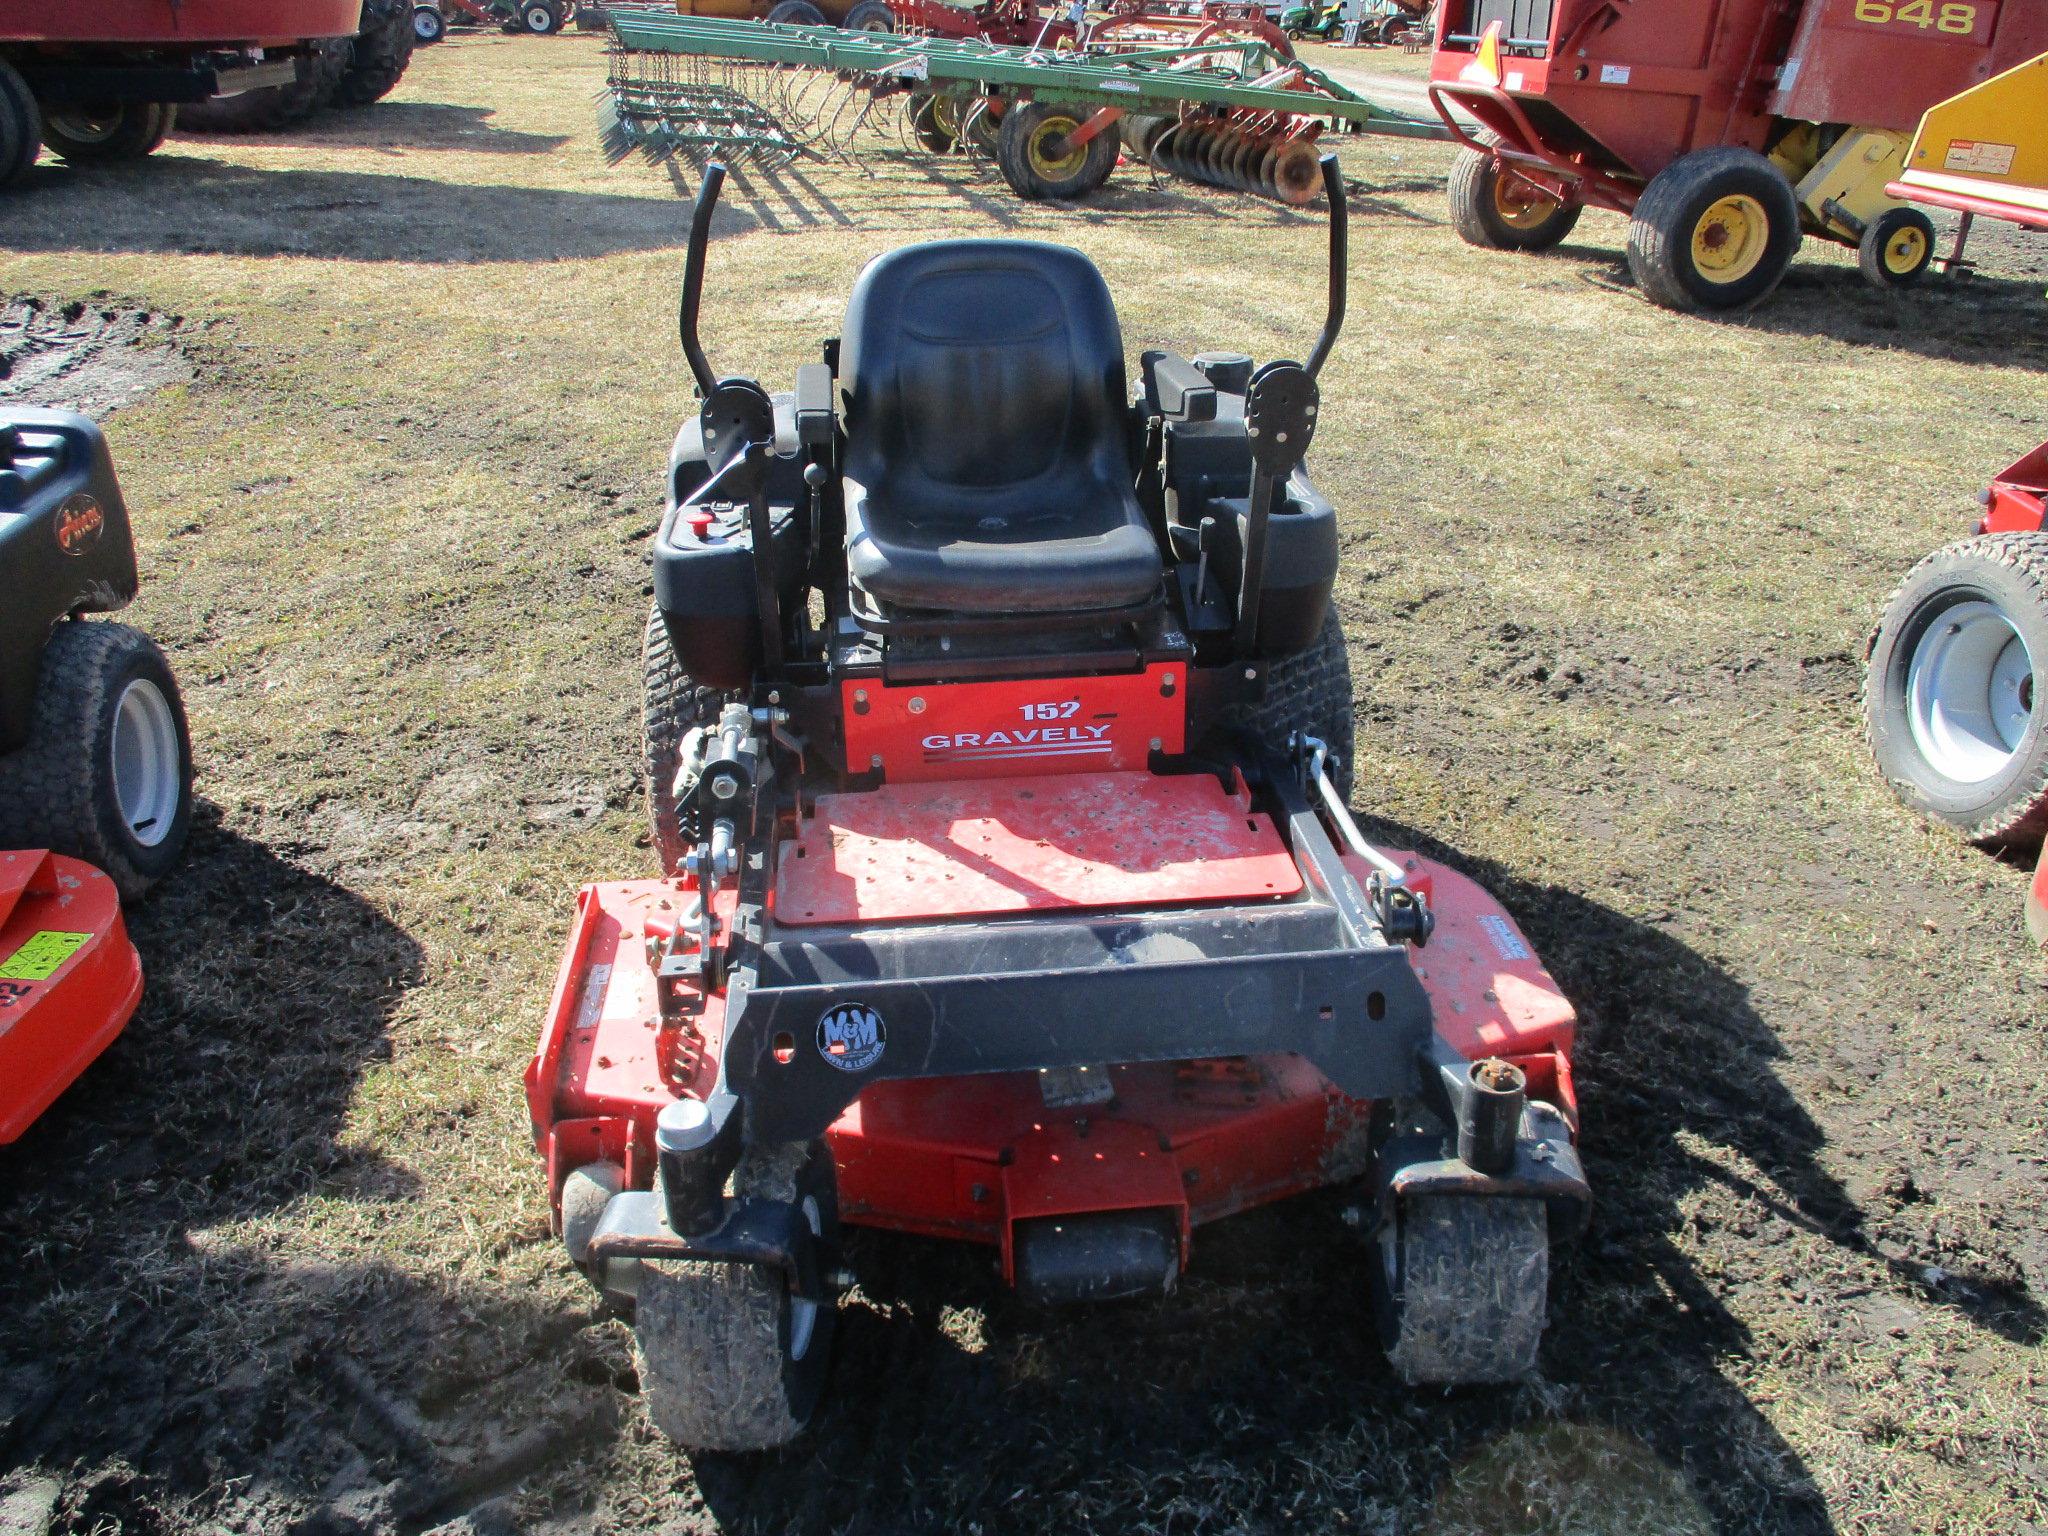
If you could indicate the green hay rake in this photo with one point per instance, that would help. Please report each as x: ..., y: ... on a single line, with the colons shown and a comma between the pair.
x: 1231, y: 111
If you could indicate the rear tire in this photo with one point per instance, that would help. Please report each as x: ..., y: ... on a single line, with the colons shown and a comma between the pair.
x: 1497, y: 211
x: 383, y: 49
x: 21, y: 126
x: 106, y: 775
x: 122, y: 131
x: 1897, y: 248
x: 673, y: 705
x: 1024, y: 153
x: 729, y: 1360
x: 1460, y: 1287
x: 1951, y: 697
x: 1310, y: 693
x: 1714, y: 229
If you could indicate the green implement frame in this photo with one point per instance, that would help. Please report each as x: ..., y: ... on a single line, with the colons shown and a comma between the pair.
x: 1233, y: 111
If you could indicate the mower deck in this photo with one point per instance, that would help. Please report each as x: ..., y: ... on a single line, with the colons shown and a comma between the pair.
x: 971, y: 1157
x: 69, y: 978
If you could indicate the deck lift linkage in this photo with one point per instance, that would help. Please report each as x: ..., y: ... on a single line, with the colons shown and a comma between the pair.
x: 1231, y: 111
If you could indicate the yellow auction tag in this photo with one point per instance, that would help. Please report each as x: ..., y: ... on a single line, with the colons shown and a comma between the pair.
x: 38, y: 959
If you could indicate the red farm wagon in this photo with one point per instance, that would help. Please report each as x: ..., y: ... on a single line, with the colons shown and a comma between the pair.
x: 1725, y: 129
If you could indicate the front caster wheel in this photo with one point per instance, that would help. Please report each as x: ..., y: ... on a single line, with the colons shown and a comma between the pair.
x: 1897, y: 247
x: 729, y: 1360
x: 1460, y: 1288
x: 1951, y: 696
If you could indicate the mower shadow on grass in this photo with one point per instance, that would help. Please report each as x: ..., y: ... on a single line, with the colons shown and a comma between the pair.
x: 181, y: 203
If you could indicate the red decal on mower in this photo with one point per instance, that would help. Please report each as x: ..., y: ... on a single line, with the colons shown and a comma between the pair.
x: 921, y: 732
x: 79, y: 523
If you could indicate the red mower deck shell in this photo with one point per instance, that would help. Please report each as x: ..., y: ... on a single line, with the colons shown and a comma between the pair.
x: 69, y: 978
x: 1648, y: 82
x: 968, y: 1157
x: 186, y: 22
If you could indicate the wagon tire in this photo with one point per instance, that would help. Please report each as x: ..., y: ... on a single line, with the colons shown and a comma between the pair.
x: 729, y: 1359
x: 21, y: 126
x: 1951, y: 694
x: 870, y: 16
x: 796, y: 13
x: 429, y: 26
x: 106, y: 774
x: 129, y: 131
x: 673, y: 705
x: 543, y: 18
x: 1460, y: 1288
x: 1714, y: 230
x: 1309, y: 693
x: 1498, y: 211
x: 1897, y: 248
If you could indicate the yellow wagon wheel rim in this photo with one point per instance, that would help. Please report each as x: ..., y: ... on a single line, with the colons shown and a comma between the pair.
x: 1521, y: 204
x: 1730, y: 238
x: 1055, y: 167
x: 1906, y: 251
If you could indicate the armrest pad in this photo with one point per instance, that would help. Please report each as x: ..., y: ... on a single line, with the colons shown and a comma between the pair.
x: 1177, y: 389
x: 814, y: 419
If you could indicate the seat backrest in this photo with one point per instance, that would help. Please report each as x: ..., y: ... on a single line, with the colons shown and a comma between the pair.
x: 971, y: 367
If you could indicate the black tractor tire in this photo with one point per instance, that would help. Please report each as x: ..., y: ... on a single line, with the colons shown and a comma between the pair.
x: 1460, y: 1286
x: 382, y: 50
x: 1498, y: 211
x: 1897, y: 248
x: 276, y: 107
x: 106, y: 707
x: 870, y: 16
x: 727, y: 1360
x: 1021, y: 153
x: 543, y: 18
x: 21, y: 126
x: 1393, y: 29
x: 1308, y: 693
x: 429, y: 26
x: 119, y: 131
x: 796, y: 13
x: 1952, y: 692
x: 1694, y: 207
x: 673, y: 704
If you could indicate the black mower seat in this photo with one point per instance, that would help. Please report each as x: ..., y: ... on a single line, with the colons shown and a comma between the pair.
x: 988, y: 466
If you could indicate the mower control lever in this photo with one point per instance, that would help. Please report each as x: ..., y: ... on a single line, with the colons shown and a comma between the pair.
x: 693, y: 277
x: 1340, y: 263
x: 1403, y: 915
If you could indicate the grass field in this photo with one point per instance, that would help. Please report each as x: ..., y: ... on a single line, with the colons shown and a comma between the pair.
x: 281, y: 1261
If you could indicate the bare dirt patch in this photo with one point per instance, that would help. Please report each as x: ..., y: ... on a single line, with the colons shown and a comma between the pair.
x: 85, y: 356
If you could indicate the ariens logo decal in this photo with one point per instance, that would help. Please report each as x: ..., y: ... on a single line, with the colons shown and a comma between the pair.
x: 80, y: 522
x: 1023, y: 741
x: 852, y: 1036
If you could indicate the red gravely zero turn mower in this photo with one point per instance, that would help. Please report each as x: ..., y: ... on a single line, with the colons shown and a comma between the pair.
x: 95, y: 764
x: 999, y: 728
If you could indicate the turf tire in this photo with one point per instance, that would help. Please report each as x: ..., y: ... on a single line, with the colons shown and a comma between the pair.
x: 276, y: 107
x: 138, y: 128
x: 21, y: 126
x: 2010, y: 572
x: 383, y: 48
x: 1660, y: 232
x: 1460, y: 1288
x: 58, y: 792
x: 1476, y: 215
x: 713, y: 1342
x: 1308, y: 692
x: 673, y: 704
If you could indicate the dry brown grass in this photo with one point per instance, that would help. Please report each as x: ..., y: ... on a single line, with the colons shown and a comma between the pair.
x: 1608, y: 575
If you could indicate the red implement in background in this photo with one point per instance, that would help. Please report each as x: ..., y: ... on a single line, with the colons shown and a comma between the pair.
x: 69, y: 978
x: 2017, y: 501
x: 177, y: 22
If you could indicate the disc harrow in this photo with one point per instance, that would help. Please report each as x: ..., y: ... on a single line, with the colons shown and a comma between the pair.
x: 1220, y: 105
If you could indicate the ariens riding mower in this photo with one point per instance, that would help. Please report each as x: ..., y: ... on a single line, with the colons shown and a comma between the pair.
x: 95, y: 763
x: 999, y: 729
